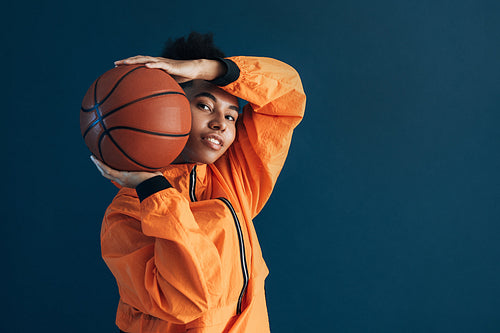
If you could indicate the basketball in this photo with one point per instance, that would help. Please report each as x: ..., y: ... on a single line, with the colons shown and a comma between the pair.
x: 135, y: 118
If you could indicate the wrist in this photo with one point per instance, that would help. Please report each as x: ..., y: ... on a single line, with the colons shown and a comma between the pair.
x: 151, y: 186
x: 231, y: 74
x: 211, y: 69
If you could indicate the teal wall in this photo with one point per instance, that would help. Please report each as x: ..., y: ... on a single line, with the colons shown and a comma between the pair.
x: 386, y: 216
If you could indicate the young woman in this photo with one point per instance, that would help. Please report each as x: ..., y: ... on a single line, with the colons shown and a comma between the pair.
x: 181, y: 242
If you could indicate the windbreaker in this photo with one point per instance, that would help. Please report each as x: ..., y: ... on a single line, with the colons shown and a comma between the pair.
x: 186, y: 256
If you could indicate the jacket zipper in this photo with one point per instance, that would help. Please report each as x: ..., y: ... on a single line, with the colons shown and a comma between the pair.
x: 243, y: 258
x: 192, y: 184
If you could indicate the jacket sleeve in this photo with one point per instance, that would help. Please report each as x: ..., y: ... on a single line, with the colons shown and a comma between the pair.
x: 276, y: 105
x: 163, y: 263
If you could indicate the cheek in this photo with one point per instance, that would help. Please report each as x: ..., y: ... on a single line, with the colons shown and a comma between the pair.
x: 197, y: 122
x: 231, y: 136
x: 193, y: 115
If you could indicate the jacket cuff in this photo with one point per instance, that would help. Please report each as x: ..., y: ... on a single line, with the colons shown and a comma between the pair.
x: 232, y: 73
x: 151, y: 186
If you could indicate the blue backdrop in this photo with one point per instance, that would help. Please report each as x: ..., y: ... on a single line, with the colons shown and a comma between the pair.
x: 386, y: 215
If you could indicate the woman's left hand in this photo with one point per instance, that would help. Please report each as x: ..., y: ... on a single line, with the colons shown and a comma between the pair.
x: 124, y: 178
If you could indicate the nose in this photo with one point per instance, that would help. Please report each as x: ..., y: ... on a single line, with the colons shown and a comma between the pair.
x: 217, y: 123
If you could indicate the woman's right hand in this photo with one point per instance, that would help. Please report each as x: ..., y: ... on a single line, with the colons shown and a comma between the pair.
x: 124, y: 178
x: 180, y: 70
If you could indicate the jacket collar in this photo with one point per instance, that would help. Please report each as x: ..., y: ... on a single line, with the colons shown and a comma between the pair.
x: 178, y: 175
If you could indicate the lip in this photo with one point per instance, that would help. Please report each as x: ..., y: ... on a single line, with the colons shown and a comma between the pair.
x: 210, y: 144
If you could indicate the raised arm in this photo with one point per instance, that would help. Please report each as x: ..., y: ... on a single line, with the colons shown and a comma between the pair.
x: 276, y: 105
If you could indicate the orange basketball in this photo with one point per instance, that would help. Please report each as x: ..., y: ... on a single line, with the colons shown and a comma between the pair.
x: 135, y: 118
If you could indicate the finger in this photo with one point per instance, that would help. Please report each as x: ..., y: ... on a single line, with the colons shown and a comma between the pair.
x: 129, y: 58
x: 105, y: 170
x: 96, y: 162
x: 136, y: 60
x: 161, y: 65
x: 98, y: 165
x: 170, y: 69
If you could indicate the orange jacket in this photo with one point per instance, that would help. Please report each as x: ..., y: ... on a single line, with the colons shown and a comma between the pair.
x: 187, y: 258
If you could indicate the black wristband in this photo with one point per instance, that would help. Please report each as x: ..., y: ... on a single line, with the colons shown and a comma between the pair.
x: 232, y: 73
x: 151, y: 186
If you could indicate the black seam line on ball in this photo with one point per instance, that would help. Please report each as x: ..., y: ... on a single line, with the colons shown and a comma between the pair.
x: 119, y: 148
x: 96, y: 105
x: 100, y: 117
x: 145, y: 131
x: 111, y: 91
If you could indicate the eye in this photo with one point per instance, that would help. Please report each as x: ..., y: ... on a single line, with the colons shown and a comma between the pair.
x: 230, y: 118
x: 203, y: 106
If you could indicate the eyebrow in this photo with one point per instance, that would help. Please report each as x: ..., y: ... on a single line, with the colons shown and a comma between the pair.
x: 212, y: 97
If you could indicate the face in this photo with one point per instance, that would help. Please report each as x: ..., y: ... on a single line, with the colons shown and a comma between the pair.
x: 213, y: 126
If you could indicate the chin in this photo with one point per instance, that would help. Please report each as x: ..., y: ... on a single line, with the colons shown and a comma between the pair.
x: 199, y: 159
x: 207, y: 160
x: 201, y: 156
